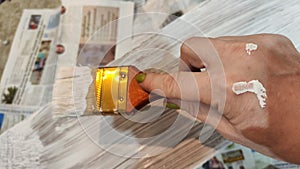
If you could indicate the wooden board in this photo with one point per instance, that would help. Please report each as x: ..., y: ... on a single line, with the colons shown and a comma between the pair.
x: 83, y: 142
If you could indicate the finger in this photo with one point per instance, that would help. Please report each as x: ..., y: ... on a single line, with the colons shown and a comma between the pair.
x: 189, y: 60
x: 197, y: 53
x: 206, y: 114
x: 194, y: 109
x: 192, y: 86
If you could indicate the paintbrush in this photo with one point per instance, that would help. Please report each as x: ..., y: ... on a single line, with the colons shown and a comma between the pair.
x: 115, y: 90
x: 98, y: 91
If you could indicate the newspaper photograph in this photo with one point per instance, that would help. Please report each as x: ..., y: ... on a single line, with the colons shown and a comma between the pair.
x: 98, y: 35
x: 34, y: 21
x: 26, y: 76
x: 45, y: 40
x: 95, y: 32
x: 40, y: 62
x: 12, y: 114
x: 235, y: 156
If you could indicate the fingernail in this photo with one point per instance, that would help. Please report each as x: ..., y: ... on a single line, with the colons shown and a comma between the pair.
x: 172, y: 106
x: 140, y: 77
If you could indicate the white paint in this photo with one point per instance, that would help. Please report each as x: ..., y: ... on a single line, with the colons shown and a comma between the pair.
x: 253, y: 86
x: 251, y: 47
x: 73, y: 148
x: 21, y: 147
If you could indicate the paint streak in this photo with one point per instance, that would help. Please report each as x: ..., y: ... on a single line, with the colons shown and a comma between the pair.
x: 251, y: 47
x: 253, y: 86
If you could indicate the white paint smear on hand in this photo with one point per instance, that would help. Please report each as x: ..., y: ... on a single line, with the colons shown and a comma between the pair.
x: 251, y: 47
x: 253, y: 86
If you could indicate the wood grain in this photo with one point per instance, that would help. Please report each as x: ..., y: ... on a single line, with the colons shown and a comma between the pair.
x: 118, y: 142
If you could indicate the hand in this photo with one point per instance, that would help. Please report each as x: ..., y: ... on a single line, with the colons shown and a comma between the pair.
x: 273, y: 128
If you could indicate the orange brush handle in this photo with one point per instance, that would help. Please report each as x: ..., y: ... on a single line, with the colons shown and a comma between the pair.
x: 137, y: 97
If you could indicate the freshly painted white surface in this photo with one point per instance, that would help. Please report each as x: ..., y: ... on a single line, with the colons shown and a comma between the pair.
x: 66, y: 142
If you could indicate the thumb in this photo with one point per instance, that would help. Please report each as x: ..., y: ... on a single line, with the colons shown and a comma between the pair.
x: 190, y: 86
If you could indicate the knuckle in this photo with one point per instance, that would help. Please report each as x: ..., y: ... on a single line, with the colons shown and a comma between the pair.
x: 169, y: 86
x: 272, y: 41
x: 187, y: 44
x: 190, y: 40
x: 278, y: 38
x: 219, y: 46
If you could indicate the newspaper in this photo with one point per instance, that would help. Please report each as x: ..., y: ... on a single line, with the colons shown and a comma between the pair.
x: 32, y: 61
x: 235, y: 156
x: 12, y: 114
x: 90, y: 31
x: 78, y: 33
x: 75, y: 40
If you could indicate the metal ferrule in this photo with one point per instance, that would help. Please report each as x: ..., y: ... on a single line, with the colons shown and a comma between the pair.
x: 111, y: 89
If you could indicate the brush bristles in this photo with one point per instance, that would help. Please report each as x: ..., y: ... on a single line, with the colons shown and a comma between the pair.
x: 73, y: 91
x: 91, y: 99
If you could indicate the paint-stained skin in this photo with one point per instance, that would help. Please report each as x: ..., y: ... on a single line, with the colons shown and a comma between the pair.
x: 213, y: 20
x: 249, y: 117
x: 251, y: 47
x: 254, y: 86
